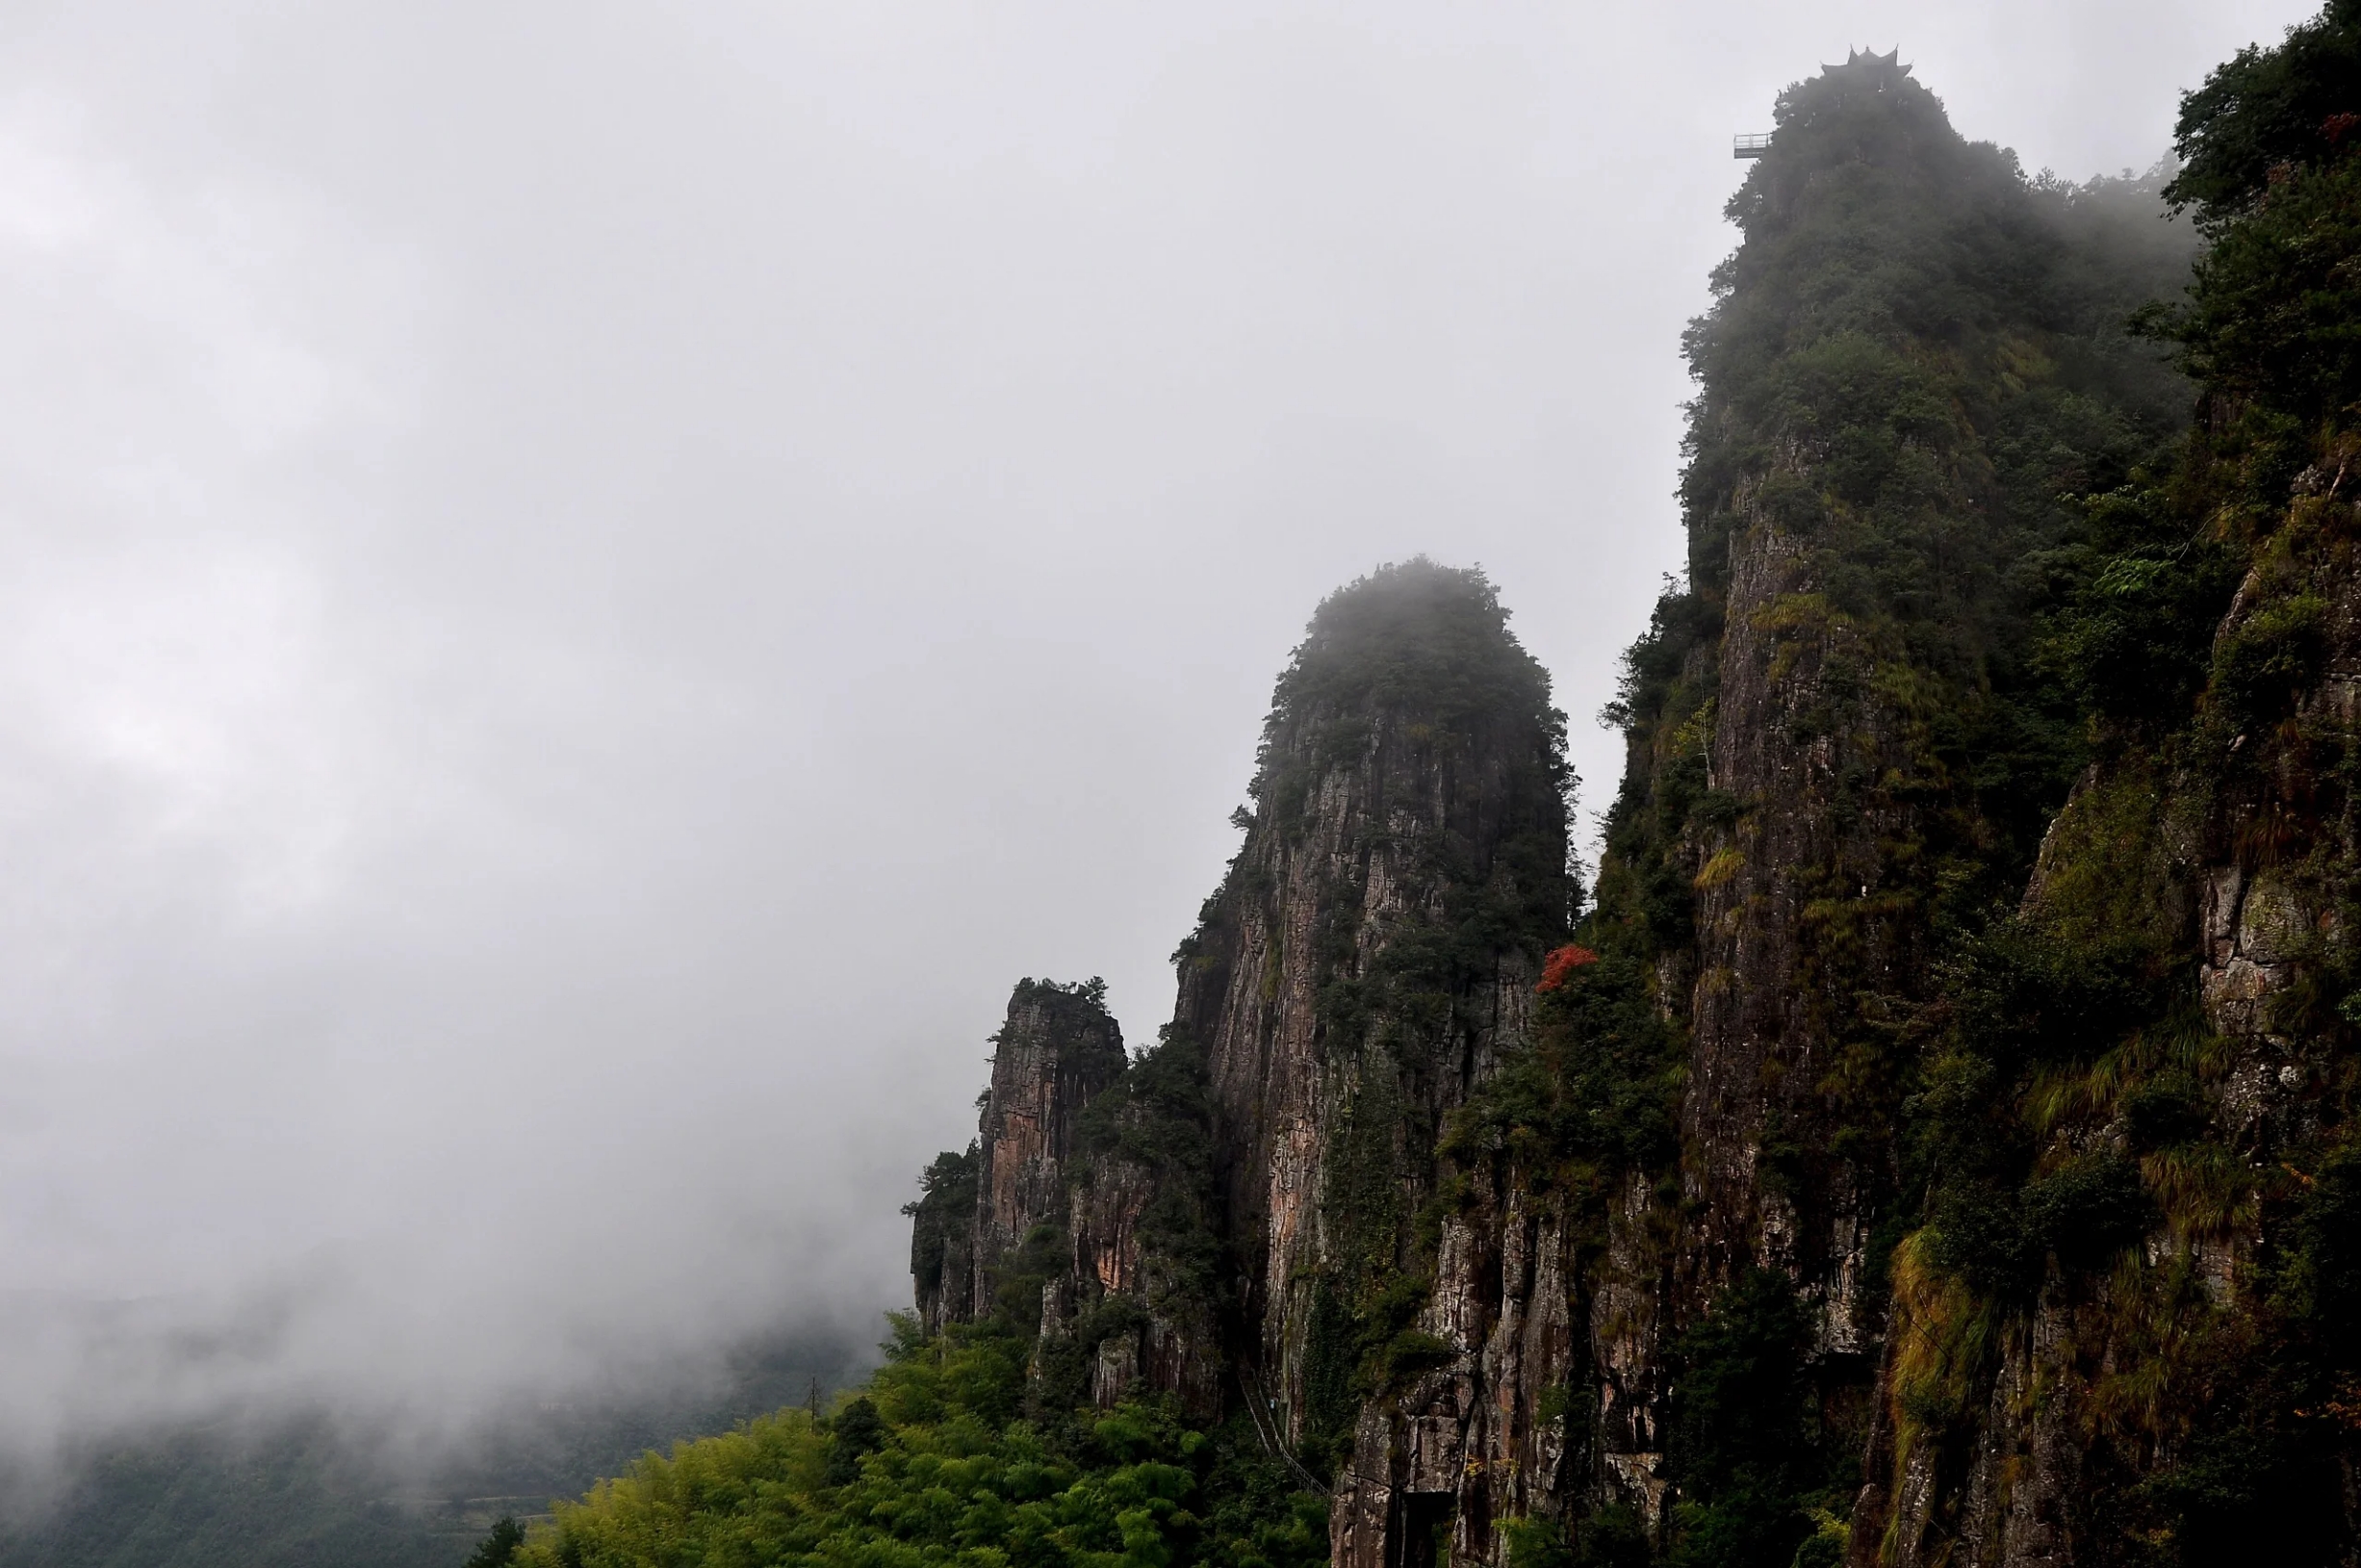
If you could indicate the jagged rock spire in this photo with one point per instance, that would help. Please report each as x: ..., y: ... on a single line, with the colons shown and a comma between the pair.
x: 1058, y: 1049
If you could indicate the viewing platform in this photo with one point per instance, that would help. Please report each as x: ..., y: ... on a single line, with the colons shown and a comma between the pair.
x: 1750, y: 146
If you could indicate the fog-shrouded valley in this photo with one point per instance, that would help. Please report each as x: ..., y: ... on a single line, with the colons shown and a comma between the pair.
x: 1044, y: 787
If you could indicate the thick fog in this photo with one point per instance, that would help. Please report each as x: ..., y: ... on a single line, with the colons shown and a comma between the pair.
x: 582, y: 587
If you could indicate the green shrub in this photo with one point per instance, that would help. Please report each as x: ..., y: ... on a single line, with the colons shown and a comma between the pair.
x: 2164, y: 1113
x: 1980, y: 1235
x: 1537, y: 1543
x: 855, y: 1431
x: 1998, y: 1239
x: 2088, y: 1209
x: 500, y: 1547
x: 1355, y: 1348
x: 1613, y: 1537
x: 2235, y: 1488
x: 2269, y: 659
x: 938, y: 1481
x: 1745, y: 1442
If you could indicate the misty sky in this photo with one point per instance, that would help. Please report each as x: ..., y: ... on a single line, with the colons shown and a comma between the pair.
x: 582, y: 587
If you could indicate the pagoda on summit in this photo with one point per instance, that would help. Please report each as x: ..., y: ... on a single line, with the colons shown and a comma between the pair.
x: 1861, y: 68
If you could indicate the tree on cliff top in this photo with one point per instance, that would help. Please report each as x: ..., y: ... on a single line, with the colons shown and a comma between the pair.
x: 1427, y: 648
x: 2270, y: 112
x: 2274, y: 144
x: 1416, y: 637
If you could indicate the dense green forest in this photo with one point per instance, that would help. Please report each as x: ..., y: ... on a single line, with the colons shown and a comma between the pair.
x: 2044, y: 631
x: 945, y: 1459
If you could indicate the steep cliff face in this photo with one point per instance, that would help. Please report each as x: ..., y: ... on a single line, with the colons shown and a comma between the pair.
x: 1367, y: 963
x: 979, y: 1210
x: 2113, y: 1328
x: 1843, y: 745
x: 1055, y: 1054
x: 1930, y: 1149
x: 1258, y: 1214
x: 2126, y: 1331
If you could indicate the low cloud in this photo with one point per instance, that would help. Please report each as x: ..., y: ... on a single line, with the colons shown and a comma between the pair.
x: 579, y: 594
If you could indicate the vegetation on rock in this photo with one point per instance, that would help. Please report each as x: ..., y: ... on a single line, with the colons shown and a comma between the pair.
x: 1936, y: 1141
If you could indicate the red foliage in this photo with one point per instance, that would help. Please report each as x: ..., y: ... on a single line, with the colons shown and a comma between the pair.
x: 1558, y: 965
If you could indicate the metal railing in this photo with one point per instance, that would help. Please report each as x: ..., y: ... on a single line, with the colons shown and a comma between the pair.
x: 1750, y: 146
x: 1264, y: 1413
